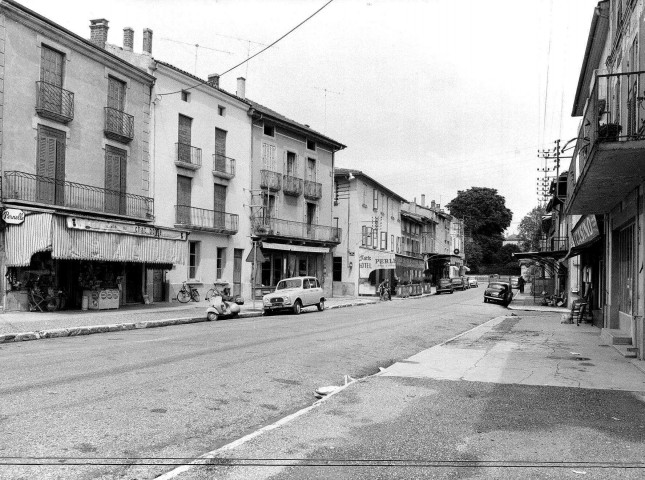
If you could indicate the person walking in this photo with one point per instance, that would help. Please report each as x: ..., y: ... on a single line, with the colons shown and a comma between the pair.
x: 384, y: 290
x: 520, y: 284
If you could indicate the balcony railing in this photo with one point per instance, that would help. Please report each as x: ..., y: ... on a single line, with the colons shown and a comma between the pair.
x: 223, y: 167
x: 34, y: 189
x: 291, y: 185
x: 313, y: 189
x: 410, y: 253
x: 54, y: 102
x: 270, y: 180
x: 119, y: 125
x: 296, y: 230
x: 188, y: 156
x: 554, y: 244
x: 209, y: 220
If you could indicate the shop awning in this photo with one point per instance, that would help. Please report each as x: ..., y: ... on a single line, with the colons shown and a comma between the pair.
x: 32, y: 236
x: 294, y: 248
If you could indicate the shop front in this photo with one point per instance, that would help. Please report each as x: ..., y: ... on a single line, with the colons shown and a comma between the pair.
x: 54, y: 261
x: 374, y: 266
x: 275, y: 261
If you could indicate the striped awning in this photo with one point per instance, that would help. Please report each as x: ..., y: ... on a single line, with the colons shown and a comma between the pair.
x: 41, y: 232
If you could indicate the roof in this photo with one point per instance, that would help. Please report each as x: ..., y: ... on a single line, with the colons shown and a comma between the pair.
x: 344, y: 172
x: 305, y: 129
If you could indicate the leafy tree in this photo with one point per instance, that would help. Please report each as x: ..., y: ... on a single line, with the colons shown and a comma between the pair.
x: 530, y: 229
x: 485, y: 218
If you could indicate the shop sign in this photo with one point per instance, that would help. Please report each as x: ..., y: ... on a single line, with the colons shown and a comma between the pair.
x: 585, y: 231
x: 369, y: 260
x: 13, y: 216
x: 124, y: 228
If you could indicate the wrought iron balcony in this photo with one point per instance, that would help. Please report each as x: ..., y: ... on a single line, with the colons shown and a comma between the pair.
x: 313, y: 189
x: 54, y: 103
x: 223, y: 167
x: 554, y: 244
x: 27, y: 188
x: 208, y: 220
x: 609, y: 155
x: 119, y: 125
x: 291, y: 185
x: 188, y: 156
x: 275, y: 227
x: 270, y: 180
x: 410, y: 253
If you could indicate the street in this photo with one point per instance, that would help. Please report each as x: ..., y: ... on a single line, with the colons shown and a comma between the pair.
x: 106, y: 404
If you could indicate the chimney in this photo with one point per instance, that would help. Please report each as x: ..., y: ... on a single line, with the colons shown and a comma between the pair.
x: 213, y: 79
x: 432, y: 204
x: 423, y: 200
x: 99, y: 31
x: 241, y: 87
x: 147, y: 41
x: 128, y: 39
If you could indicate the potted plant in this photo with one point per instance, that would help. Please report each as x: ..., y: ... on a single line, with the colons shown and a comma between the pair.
x: 609, y: 132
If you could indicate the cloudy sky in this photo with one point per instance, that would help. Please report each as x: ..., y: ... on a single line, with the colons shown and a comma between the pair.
x: 430, y: 96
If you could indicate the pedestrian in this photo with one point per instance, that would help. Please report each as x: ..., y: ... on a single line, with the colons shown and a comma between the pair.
x: 520, y: 283
x: 384, y: 290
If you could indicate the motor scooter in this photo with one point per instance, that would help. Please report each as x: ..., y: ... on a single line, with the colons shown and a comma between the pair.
x: 218, y: 307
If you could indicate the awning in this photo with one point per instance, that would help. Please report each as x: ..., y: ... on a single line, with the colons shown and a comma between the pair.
x: 46, y: 232
x: 294, y: 248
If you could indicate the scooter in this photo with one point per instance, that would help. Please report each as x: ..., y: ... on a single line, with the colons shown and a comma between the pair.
x: 221, y: 308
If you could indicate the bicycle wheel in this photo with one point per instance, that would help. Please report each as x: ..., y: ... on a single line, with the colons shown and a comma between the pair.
x: 195, y: 295
x: 210, y: 293
x: 183, y: 296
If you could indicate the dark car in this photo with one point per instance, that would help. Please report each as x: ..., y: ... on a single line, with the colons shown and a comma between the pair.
x: 458, y: 283
x: 445, y: 285
x: 499, y: 292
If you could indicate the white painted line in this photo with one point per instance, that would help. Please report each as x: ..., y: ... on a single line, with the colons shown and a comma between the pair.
x: 240, y: 441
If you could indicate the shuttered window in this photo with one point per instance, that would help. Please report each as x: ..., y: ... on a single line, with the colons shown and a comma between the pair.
x: 269, y: 157
x: 219, y: 205
x: 220, y: 150
x: 50, y: 166
x: 115, y: 180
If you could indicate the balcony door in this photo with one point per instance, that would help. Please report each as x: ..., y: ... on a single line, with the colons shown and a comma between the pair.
x: 184, y: 138
x: 50, y: 167
x: 51, y: 74
x: 220, y: 150
x: 184, y: 186
x: 311, y: 218
x: 116, y: 104
x: 311, y: 169
x: 219, y: 203
x: 115, y: 180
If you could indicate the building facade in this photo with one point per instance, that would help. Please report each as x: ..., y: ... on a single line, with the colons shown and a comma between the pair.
x: 79, y: 217
x: 605, y: 179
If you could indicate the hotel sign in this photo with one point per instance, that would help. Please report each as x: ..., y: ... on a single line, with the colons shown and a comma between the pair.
x: 369, y: 260
x: 586, y: 230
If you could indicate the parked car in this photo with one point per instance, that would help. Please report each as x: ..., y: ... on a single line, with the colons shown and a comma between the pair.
x: 515, y: 282
x: 499, y: 292
x: 294, y: 294
x: 445, y: 285
x: 472, y: 281
x: 458, y: 283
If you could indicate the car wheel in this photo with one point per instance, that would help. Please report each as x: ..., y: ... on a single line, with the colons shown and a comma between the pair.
x: 267, y: 313
x: 211, y: 317
x: 321, y: 305
x: 297, y: 307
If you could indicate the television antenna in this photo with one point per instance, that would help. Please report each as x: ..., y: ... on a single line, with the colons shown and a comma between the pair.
x: 197, y: 47
x: 326, y: 90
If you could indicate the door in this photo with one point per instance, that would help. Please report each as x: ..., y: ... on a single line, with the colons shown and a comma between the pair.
x: 116, y: 104
x: 219, y: 202
x: 184, y: 185
x: 133, y: 283
x: 237, y: 271
x: 115, y: 179
x: 157, y: 285
x: 50, y: 167
x: 311, y: 214
x: 220, y: 150
x: 51, y: 74
x: 184, y: 139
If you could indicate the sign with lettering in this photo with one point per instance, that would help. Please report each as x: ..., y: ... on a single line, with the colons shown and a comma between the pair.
x: 13, y: 216
x: 124, y: 228
x: 369, y: 260
x: 586, y: 230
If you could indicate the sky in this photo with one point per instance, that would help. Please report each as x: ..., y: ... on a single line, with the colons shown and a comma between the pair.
x: 429, y: 96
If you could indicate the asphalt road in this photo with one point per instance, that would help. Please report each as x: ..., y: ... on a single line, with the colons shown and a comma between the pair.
x: 130, y: 404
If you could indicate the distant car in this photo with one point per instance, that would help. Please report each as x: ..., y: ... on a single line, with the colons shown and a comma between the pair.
x: 294, y: 294
x: 458, y: 283
x: 515, y: 282
x: 445, y: 285
x: 498, y: 292
x: 472, y: 282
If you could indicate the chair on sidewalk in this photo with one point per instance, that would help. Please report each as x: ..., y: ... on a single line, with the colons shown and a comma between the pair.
x: 578, y: 310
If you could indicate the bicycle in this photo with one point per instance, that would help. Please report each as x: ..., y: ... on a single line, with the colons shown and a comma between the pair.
x: 187, y: 293
x: 51, y: 301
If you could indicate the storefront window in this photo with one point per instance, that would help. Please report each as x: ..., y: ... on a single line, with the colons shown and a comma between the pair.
x: 626, y: 268
x: 193, y: 259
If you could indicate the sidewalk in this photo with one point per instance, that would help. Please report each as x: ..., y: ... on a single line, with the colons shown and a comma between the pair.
x: 546, y: 399
x: 22, y: 326
x: 526, y: 301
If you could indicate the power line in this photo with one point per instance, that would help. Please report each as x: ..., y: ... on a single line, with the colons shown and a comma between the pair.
x: 258, y: 53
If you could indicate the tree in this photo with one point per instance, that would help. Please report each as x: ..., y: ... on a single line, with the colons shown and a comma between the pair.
x: 530, y: 229
x: 485, y: 217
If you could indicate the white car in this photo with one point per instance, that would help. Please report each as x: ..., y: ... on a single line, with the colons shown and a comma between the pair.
x: 294, y: 294
x: 472, y: 281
